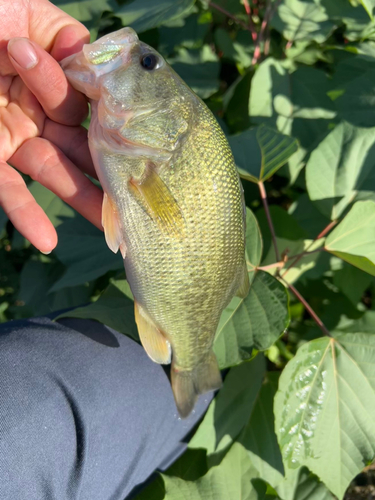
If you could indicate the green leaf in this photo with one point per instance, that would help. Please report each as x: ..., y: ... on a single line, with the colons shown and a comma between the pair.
x: 254, y: 322
x: 154, y: 491
x: 285, y: 226
x: 36, y: 280
x: 190, y: 466
x: 369, y: 5
x: 365, y: 324
x: 230, y: 410
x: 53, y: 206
x: 254, y: 244
x: 261, y: 151
x: 353, y: 239
x: 309, y: 488
x: 114, y: 308
x: 199, y: 69
x: 232, y: 479
x: 342, y: 169
x: 144, y: 15
x: 325, y: 408
x: 302, y: 20
x: 84, y: 252
x: 3, y: 220
x: 352, y: 282
x: 236, y: 114
x: 354, y: 90
x: 231, y: 49
x: 258, y: 436
x: 308, y: 216
x: 86, y: 10
x: 289, y: 102
x: 191, y: 36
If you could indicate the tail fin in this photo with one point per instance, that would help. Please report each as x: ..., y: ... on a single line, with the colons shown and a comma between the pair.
x: 188, y: 385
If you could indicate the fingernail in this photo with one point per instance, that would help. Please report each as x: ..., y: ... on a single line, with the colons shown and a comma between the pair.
x: 46, y: 253
x: 22, y: 51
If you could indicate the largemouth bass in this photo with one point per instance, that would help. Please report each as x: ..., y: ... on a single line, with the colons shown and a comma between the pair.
x: 173, y: 203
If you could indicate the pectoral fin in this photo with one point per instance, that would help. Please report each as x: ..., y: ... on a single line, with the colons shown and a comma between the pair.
x: 112, y: 228
x: 244, y: 287
x: 156, y: 198
x: 155, y: 344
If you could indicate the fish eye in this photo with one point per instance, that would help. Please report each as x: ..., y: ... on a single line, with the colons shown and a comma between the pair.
x: 149, y: 61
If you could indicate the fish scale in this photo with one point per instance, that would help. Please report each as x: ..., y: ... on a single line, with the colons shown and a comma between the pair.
x: 173, y: 198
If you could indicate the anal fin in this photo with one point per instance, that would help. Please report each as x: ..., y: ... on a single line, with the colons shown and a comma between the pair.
x: 155, y: 344
x: 112, y: 228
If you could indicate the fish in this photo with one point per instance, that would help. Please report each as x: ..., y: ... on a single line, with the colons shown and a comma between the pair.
x: 173, y: 203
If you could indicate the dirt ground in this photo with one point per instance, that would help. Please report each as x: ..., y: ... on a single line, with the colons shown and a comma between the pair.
x: 363, y: 487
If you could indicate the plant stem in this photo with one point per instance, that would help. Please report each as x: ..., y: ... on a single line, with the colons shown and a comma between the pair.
x: 308, y: 308
x: 231, y: 16
x: 278, y: 265
x: 263, y: 195
x: 298, y: 257
x: 254, y: 34
x: 283, y: 350
x: 303, y: 254
x: 270, y: 11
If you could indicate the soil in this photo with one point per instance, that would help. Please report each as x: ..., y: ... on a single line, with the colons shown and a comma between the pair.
x: 363, y: 486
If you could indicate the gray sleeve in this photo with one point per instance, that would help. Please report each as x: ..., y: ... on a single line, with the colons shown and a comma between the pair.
x: 84, y: 413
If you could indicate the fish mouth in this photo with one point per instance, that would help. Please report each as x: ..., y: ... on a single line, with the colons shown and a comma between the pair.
x: 84, y: 69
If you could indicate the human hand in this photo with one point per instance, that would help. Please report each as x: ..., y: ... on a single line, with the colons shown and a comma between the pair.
x: 40, y: 116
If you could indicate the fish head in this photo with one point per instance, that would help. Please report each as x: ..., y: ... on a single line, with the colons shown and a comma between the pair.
x: 134, y: 81
x: 86, y: 69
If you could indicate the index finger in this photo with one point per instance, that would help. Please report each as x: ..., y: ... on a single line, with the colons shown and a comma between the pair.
x: 43, y: 75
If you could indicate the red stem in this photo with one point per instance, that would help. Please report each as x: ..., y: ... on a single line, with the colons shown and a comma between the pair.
x: 254, y: 34
x: 310, y: 310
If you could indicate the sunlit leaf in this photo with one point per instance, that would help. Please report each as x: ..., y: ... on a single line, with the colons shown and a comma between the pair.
x: 232, y: 479
x: 289, y: 102
x: 342, y: 169
x: 231, y: 409
x: 143, y: 15
x: 86, y: 10
x: 261, y: 151
x: 353, y: 239
x: 369, y: 5
x: 302, y: 20
x: 325, y: 408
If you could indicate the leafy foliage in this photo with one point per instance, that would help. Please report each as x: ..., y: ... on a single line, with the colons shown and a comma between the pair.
x: 291, y: 82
